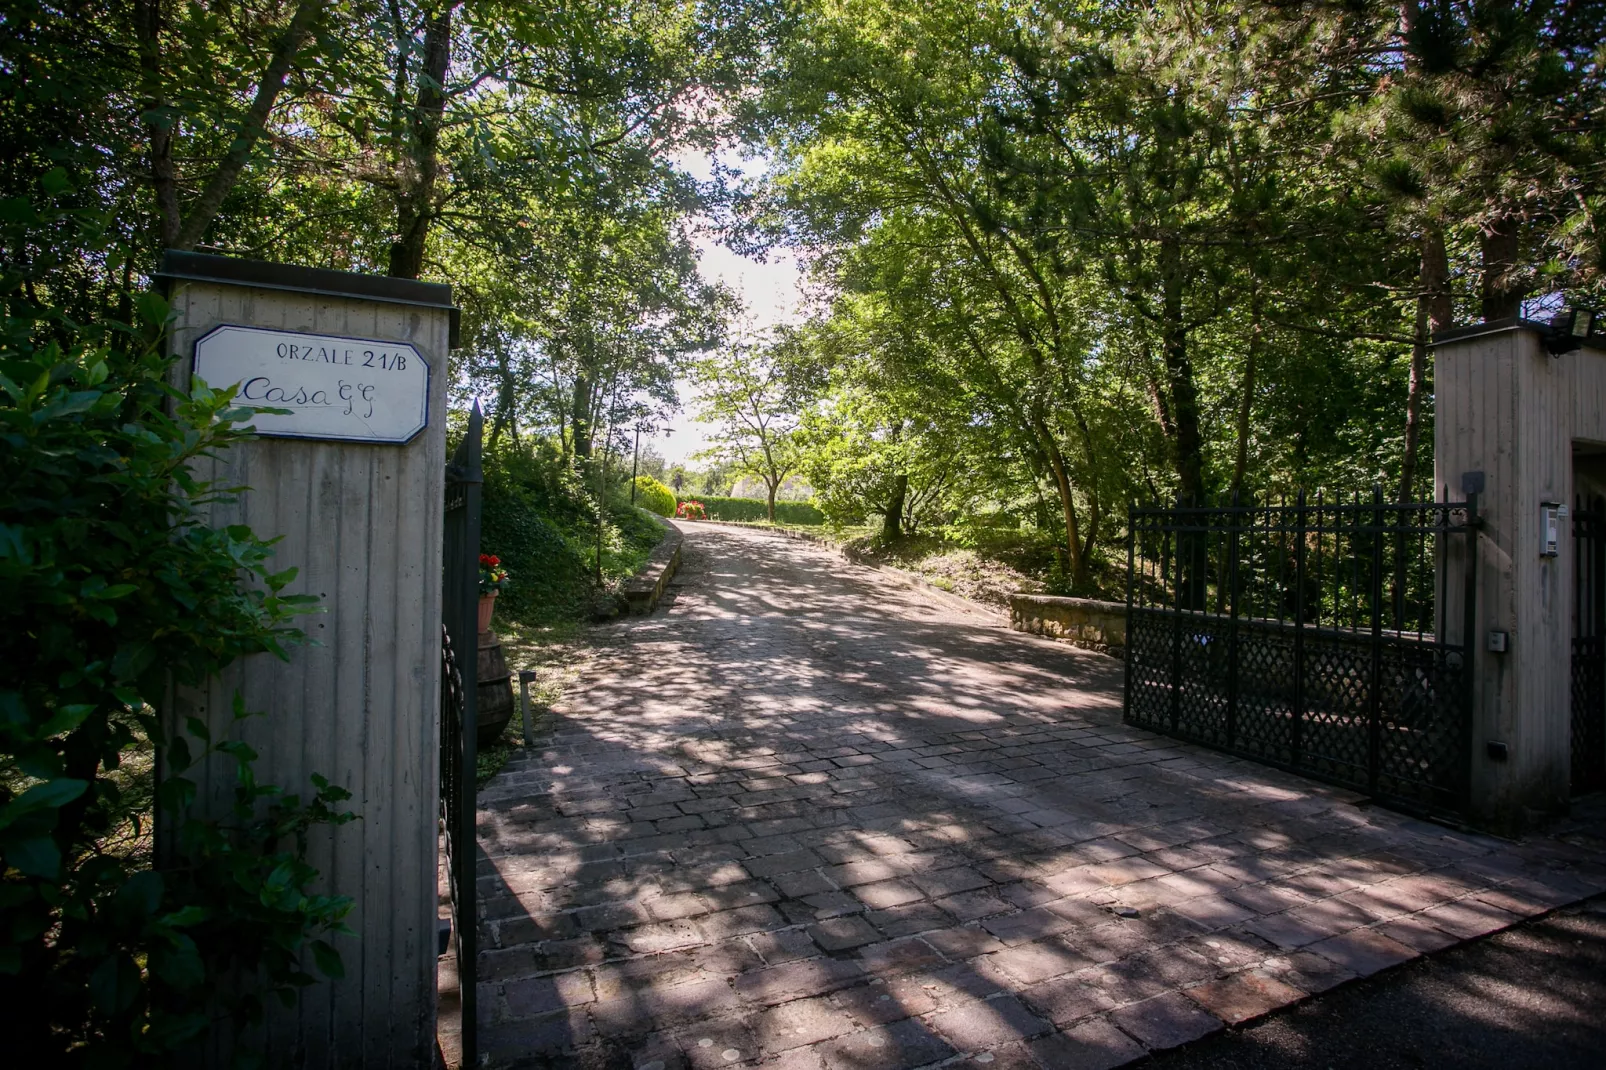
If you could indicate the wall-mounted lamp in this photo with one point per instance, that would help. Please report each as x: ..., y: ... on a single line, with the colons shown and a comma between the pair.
x: 1572, y: 327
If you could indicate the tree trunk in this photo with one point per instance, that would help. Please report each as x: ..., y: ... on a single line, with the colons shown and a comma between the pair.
x: 415, y: 206
x: 1045, y: 522
x: 892, y: 519
x: 161, y: 132
x: 1062, y: 483
x: 580, y: 416
x: 769, y: 506
x: 184, y: 231
x: 1433, y: 314
x: 1188, y: 445
x: 1192, y: 549
x: 1240, y: 464
x: 1502, y: 291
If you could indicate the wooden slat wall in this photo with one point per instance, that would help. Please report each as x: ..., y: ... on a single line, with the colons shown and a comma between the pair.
x: 1543, y: 591
x: 1506, y: 407
x: 363, y: 525
x: 1587, y: 371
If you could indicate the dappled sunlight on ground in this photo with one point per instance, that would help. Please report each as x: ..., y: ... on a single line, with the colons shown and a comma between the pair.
x: 806, y: 816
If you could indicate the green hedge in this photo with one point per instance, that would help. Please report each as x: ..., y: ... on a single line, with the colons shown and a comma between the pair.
x: 754, y: 509
x: 651, y: 494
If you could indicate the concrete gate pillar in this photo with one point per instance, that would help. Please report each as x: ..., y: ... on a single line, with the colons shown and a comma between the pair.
x: 353, y: 481
x: 1507, y: 407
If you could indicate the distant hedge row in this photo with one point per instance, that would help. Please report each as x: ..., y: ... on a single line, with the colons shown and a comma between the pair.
x: 753, y: 509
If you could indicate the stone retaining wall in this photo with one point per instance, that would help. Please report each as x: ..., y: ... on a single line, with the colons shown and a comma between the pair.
x: 1084, y: 622
x: 642, y: 591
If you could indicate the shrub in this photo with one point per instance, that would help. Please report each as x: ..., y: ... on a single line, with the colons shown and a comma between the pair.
x: 541, y: 519
x: 691, y: 510
x: 653, y: 495
x: 112, y: 587
x: 530, y: 503
x: 754, y: 509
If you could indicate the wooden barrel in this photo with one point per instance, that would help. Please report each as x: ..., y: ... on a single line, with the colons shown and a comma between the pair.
x: 494, y: 689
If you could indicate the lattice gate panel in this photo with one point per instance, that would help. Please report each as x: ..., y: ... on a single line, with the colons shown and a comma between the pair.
x: 1310, y: 637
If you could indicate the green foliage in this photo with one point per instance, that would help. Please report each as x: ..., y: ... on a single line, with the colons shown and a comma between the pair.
x: 751, y: 393
x: 534, y: 516
x: 653, y: 495
x: 750, y: 509
x: 113, y: 588
x: 540, y: 519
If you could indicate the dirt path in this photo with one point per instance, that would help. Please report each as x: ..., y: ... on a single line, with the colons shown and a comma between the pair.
x: 805, y: 816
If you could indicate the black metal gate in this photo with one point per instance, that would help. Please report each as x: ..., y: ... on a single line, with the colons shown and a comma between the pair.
x: 1589, y: 646
x: 1324, y: 637
x: 459, y: 601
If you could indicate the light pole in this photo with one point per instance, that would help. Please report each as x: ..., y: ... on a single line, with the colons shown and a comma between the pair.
x: 635, y: 458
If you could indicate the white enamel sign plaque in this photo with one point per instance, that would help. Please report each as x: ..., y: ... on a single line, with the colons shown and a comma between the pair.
x: 350, y: 389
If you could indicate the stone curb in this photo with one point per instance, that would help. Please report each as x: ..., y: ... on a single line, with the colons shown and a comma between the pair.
x: 641, y: 592
x: 1090, y: 623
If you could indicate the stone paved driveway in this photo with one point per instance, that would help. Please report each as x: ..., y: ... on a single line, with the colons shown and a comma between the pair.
x: 806, y: 817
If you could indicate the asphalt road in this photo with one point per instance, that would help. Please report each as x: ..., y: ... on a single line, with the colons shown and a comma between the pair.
x: 1531, y: 996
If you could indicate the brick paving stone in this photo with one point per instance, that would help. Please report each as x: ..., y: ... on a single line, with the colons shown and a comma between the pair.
x: 1107, y: 943
x: 1365, y: 951
x: 1308, y: 971
x: 802, y: 882
x: 550, y: 1035
x: 1094, y: 1045
x: 909, y: 919
x: 1015, y: 1056
x: 1417, y: 932
x: 822, y: 905
x: 843, y: 934
x: 796, y: 1059
x: 656, y: 1052
x: 1213, y: 912
x: 889, y: 893
x: 1467, y: 918
x: 886, y: 1001
x: 1166, y: 1021
x: 801, y: 1022
x: 1289, y: 930
x: 771, y: 865
x: 931, y: 793
x: 979, y: 1024
x: 647, y: 939
x: 887, y: 1047
x: 963, y: 943
x: 1243, y: 996
x: 892, y: 957
x: 1177, y: 965
x: 849, y: 874
x: 972, y: 906
x: 1031, y: 963
x: 675, y: 907
x: 777, y: 984
x: 952, y: 881
x: 674, y: 1004
x: 1066, y: 1000
x: 1033, y: 924
x: 741, y: 921
x: 784, y: 945
x: 1081, y: 913
x: 717, y: 1043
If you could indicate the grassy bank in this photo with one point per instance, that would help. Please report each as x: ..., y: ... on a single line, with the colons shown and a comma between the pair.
x: 542, y: 521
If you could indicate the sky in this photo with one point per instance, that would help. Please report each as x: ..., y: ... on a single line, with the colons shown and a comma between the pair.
x: 769, y: 290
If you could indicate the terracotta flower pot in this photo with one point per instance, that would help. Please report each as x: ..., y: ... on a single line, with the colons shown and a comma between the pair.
x: 487, y: 605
